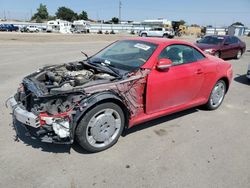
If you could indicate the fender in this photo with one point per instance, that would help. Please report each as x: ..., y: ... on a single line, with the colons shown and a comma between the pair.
x: 91, y: 101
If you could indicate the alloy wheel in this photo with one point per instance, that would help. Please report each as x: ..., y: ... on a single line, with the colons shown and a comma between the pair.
x: 218, y: 94
x: 103, y: 128
x: 239, y: 54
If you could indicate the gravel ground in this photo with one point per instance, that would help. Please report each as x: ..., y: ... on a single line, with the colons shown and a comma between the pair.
x: 194, y: 148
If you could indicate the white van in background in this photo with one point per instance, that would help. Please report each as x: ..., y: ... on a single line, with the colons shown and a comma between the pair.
x: 59, y: 26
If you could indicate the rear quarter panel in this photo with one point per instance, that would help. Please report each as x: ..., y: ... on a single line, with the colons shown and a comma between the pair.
x: 214, y: 70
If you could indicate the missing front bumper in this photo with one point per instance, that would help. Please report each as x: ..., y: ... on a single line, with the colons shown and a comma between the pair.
x: 22, y: 115
x: 31, y: 123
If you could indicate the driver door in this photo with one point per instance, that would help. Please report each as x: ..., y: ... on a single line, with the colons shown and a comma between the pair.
x: 226, y: 48
x: 180, y: 84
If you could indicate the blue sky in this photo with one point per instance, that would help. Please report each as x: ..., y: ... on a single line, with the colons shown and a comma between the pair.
x: 212, y: 12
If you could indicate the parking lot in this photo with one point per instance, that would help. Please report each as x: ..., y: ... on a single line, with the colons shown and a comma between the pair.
x: 194, y: 148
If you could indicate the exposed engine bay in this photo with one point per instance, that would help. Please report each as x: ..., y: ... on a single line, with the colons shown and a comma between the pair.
x: 70, y: 75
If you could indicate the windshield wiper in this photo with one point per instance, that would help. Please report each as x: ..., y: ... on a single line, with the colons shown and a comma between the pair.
x: 106, y: 65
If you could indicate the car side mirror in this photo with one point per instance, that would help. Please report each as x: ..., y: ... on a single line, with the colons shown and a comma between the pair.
x: 163, y: 64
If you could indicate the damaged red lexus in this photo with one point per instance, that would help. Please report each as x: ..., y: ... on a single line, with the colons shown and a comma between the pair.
x: 128, y: 82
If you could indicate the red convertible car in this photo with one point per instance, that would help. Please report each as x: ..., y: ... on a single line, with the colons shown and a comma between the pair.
x: 127, y: 83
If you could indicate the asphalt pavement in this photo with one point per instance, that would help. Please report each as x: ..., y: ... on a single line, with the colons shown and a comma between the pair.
x: 193, y: 148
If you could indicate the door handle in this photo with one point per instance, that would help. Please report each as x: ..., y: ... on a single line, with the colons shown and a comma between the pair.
x: 198, y: 71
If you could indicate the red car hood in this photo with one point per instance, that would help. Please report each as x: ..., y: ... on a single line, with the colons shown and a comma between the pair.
x: 203, y: 46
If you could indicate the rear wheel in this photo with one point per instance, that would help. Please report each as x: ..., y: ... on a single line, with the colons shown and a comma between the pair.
x: 101, y: 127
x: 217, y: 95
x: 143, y: 35
x: 239, y: 54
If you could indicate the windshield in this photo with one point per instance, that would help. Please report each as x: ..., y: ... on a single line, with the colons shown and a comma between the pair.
x: 127, y: 55
x: 212, y: 40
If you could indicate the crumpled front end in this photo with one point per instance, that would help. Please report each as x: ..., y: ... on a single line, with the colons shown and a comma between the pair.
x: 49, y: 119
x: 50, y: 103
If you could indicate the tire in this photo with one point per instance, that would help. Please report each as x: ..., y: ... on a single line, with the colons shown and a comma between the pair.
x: 143, y: 35
x: 216, y: 99
x: 165, y: 36
x: 217, y: 54
x: 101, y: 127
x: 239, y: 54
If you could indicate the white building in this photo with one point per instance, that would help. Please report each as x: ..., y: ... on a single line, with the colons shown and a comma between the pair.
x: 158, y: 22
x: 216, y: 31
x: 236, y: 30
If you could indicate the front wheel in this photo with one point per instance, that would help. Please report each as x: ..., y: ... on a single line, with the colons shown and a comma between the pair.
x: 101, y: 127
x: 217, y: 95
x: 165, y: 36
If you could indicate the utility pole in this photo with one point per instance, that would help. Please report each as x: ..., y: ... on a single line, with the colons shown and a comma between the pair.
x: 8, y: 13
x: 120, y: 9
x: 31, y: 14
x: 97, y: 16
x: 4, y: 15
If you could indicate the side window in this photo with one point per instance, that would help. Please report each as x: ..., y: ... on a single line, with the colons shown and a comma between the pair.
x: 181, y: 54
x: 235, y: 40
x: 228, y: 40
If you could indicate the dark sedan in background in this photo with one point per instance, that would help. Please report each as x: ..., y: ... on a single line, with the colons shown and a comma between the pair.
x: 222, y: 46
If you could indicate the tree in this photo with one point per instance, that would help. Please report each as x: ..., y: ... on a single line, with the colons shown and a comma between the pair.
x: 65, y: 13
x: 51, y: 17
x: 238, y: 23
x: 115, y: 20
x: 194, y: 25
x: 38, y: 20
x: 182, y: 22
x: 83, y: 15
x: 41, y: 14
